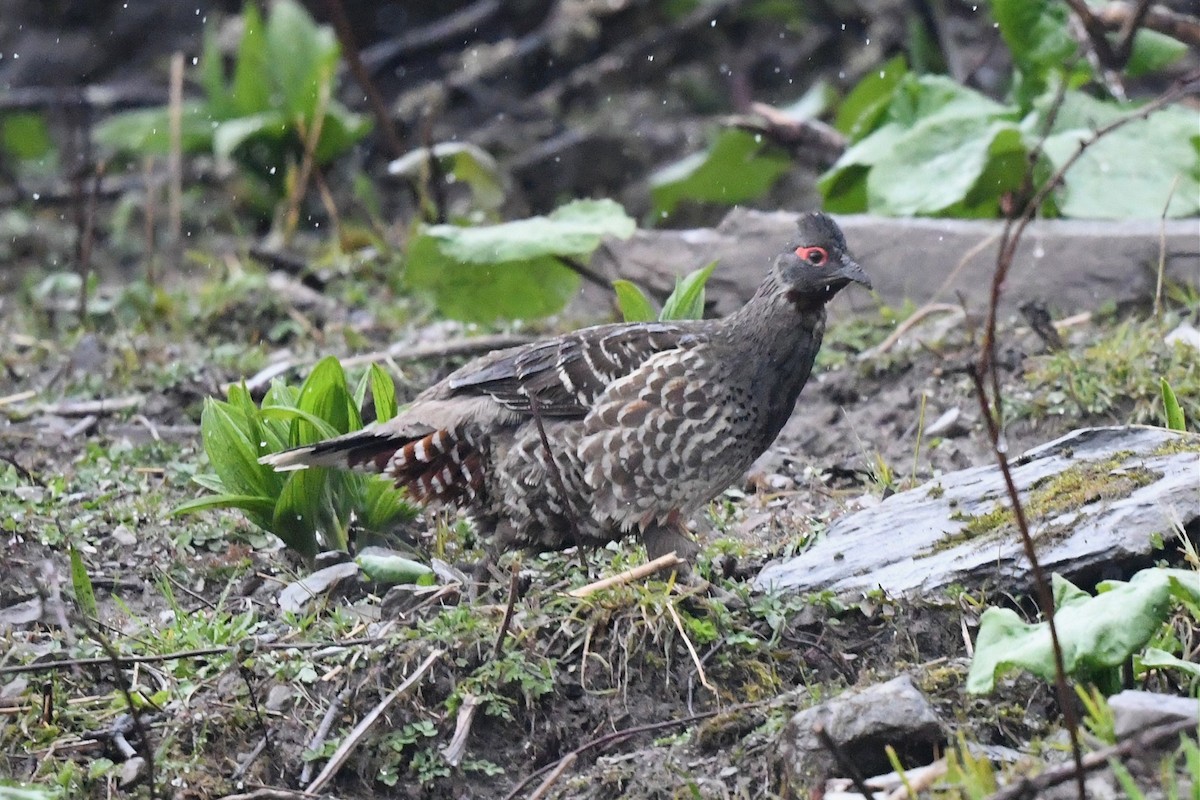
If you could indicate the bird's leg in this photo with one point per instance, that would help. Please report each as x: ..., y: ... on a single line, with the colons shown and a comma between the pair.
x: 663, y: 538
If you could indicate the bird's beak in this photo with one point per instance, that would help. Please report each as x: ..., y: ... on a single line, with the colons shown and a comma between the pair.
x: 851, y: 271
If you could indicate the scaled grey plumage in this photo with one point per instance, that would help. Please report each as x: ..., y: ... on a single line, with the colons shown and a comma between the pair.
x: 646, y: 422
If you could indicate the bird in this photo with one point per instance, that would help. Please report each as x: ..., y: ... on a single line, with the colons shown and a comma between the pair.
x: 613, y: 430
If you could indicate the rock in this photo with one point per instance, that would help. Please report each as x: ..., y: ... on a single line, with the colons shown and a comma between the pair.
x: 745, y: 240
x: 861, y: 723
x: 1095, y: 500
x: 296, y: 595
x: 1135, y: 711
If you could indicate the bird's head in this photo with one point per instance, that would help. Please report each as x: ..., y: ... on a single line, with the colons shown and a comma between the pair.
x: 816, y: 264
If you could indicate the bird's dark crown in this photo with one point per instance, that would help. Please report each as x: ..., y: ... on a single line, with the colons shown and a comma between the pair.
x: 816, y: 264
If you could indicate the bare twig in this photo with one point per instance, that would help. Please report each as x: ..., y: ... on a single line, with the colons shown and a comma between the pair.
x: 1116, y: 15
x: 513, y: 584
x: 462, y: 730
x: 175, y: 164
x: 687, y: 642
x: 630, y: 575
x: 345, y: 34
x: 318, y: 738
x: 356, y: 734
x: 561, y: 767
x: 986, y: 372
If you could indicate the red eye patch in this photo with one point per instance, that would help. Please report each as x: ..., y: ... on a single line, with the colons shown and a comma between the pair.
x: 813, y: 255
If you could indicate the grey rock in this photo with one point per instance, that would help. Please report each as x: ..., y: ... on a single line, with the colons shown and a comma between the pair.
x: 919, y: 259
x: 861, y: 723
x: 298, y: 594
x: 1104, y: 494
x: 1134, y: 711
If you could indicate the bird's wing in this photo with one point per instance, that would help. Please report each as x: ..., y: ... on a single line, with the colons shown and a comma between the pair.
x: 663, y: 440
x: 567, y: 374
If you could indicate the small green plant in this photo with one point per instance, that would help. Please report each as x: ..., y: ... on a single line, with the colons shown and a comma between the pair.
x: 1171, y: 410
x: 686, y: 300
x: 280, y: 93
x: 310, y: 508
x: 1097, y: 634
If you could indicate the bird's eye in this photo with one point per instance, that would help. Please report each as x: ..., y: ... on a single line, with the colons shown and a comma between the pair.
x: 813, y: 255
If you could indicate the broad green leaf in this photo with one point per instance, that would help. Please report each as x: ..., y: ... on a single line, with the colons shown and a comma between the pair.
x: 1154, y: 658
x: 301, y: 55
x: 250, y: 92
x: 1096, y: 633
x: 325, y: 395
x: 341, y: 129
x: 1130, y: 172
x: 937, y: 163
x: 574, y: 230
x: 869, y: 99
x: 211, y: 482
x: 231, y: 134
x: 1037, y: 36
x: 737, y: 167
x: 322, y: 427
x: 634, y: 305
x: 147, y: 130
x: 687, y: 299
x: 1171, y: 409
x: 81, y: 582
x: 1152, y: 51
x: 512, y: 270
x: 219, y: 101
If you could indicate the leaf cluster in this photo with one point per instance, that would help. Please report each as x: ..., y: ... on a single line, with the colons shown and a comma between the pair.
x: 308, y: 509
x: 282, y: 84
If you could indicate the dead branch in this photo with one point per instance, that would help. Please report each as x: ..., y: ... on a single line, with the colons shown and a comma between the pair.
x: 629, y: 576
x: 1116, y: 15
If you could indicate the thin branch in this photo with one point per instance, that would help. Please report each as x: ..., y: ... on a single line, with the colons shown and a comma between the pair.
x: 355, y: 736
x: 630, y: 575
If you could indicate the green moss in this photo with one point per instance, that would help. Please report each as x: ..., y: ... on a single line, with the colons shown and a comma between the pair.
x: 1073, y: 488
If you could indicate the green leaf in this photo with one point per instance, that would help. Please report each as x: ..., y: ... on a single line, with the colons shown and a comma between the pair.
x: 383, y: 393
x: 81, y: 583
x: 1096, y: 633
x: 1171, y: 409
x: 937, y: 164
x: 467, y: 163
x: 234, y: 456
x: 382, y: 504
x: 212, y: 75
x: 259, y: 509
x: 1153, y: 658
x: 301, y: 56
x: 634, y: 305
x: 736, y: 167
x: 228, y: 136
x: 1152, y: 51
x: 326, y: 396
x: 869, y: 99
x: 687, y: 299
x: 390, y: 568
x: 1132, y: 171
x: 1037, y: 36
x: 25, y: 135
x: 250, y: 92
x: 148, y: 130
x: 302, y: 510
x: 512, y: 270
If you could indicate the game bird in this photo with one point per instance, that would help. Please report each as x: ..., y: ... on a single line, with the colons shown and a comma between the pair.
x: 644, y: 422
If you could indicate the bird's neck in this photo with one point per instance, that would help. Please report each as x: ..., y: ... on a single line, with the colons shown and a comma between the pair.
x: 777, y: 336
